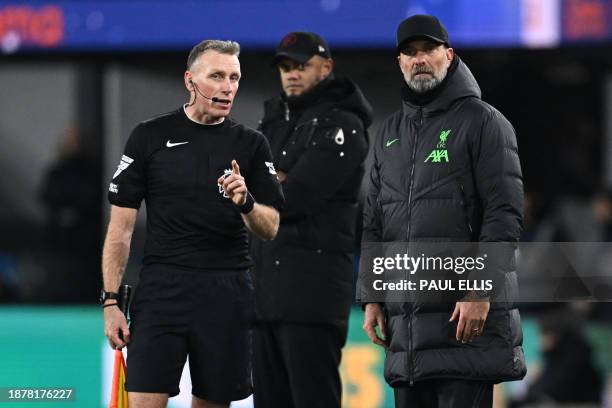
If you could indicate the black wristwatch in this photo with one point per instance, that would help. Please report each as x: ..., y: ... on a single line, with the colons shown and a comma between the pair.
x: 104, y: 296
x: 248, y: 205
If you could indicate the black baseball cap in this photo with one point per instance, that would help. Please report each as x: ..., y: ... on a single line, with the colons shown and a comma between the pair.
x: 421, y: 26
x: 301, y: 46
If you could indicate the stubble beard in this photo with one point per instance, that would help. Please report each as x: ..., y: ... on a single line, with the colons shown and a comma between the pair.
x: 421, y: 85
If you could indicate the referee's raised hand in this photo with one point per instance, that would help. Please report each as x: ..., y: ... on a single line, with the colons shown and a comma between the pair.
x: 234, y: 185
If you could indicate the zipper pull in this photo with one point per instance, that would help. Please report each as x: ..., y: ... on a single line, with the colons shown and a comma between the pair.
x: 420, y: 116
x: 286, y: 111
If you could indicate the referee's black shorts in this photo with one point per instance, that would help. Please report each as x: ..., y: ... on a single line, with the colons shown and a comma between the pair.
x: 204, y: 315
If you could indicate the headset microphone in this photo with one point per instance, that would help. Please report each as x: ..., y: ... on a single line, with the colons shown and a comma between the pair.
x: 213, y: 99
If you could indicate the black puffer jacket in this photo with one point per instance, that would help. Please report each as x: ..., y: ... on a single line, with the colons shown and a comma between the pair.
x: 320, y: 141
x: 448, y: 171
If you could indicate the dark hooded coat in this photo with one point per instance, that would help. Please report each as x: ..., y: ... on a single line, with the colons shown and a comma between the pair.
x: 448, y: 170
x: 319, y: 140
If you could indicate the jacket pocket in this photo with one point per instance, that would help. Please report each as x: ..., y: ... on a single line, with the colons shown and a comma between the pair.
x: 465, y: 206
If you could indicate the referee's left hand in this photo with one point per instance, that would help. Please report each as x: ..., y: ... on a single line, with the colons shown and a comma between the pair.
x: 234, y: 185
x: 115, y: 323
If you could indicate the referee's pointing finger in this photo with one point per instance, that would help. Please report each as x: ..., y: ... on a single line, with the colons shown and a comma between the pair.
x: 235, y: 167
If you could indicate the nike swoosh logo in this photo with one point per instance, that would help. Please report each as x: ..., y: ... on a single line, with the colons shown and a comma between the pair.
x: 168, y: 144
x: 390, y: 142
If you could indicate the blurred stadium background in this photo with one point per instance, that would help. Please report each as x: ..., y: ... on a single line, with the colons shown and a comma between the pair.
x: 76, y: 76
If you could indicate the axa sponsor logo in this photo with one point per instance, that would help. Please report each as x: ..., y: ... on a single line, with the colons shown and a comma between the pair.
x: 440, y: 153
x: 437, y: 156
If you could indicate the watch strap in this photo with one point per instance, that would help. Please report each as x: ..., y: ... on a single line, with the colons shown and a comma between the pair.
x: 248, y: 205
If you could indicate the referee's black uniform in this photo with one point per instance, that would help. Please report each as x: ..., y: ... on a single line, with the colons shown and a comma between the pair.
x: 195, y: 293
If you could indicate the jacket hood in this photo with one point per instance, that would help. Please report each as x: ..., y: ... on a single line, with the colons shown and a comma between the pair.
x: 459, y: 84
x: 333, y: 92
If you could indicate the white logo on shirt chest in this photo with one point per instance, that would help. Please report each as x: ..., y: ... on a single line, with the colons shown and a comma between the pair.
x: 170, y: 144
x: 226, y: 174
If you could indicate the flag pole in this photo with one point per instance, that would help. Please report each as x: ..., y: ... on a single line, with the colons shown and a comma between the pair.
x: 119, y: 397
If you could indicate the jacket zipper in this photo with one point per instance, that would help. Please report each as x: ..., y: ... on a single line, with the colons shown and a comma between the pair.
x: 465, y: 213
x: 411, y: 374
x: 286, y: 111
x: 314, y: 122
x: 412, y: 167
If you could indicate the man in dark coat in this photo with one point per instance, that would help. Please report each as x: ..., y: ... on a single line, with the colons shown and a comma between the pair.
x: 303, y: 279
x: 446, y: 169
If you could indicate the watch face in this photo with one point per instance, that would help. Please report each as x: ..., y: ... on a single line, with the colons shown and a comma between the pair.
x: 107, y: 295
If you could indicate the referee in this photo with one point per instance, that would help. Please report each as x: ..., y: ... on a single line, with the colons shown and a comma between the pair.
x: 204, y: 178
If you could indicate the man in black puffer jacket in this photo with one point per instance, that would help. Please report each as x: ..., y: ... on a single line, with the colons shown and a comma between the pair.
x: 446, y: 169
x: 303, y: 279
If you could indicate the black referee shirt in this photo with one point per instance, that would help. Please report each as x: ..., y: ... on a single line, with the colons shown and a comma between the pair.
x: 173, y: 163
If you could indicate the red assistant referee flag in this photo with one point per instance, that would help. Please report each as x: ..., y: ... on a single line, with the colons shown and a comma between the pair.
x: 119, y: 396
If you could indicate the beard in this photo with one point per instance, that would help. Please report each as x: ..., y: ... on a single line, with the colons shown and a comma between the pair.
x: 426, y: 83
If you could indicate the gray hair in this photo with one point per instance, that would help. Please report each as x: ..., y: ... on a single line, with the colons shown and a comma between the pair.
x: 426, y: 84
x: 223, y: 47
